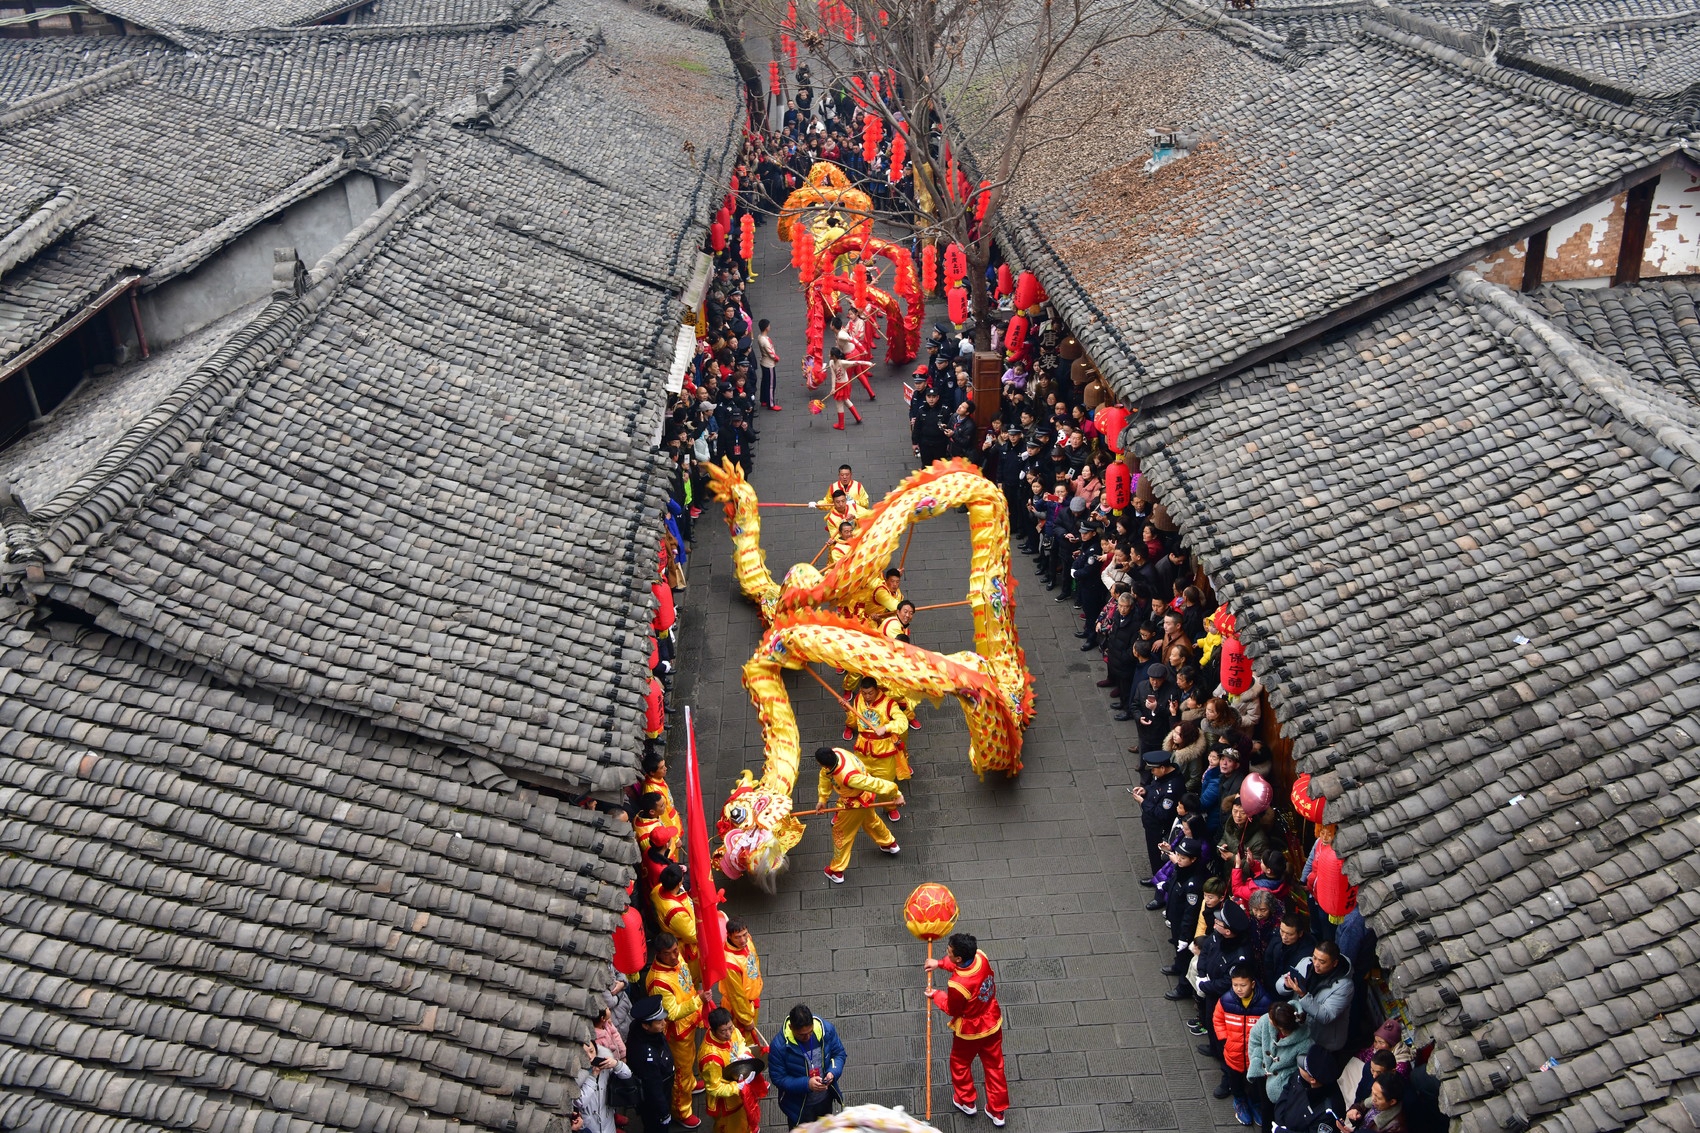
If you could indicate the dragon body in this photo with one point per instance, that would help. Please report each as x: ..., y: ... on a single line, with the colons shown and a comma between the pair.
x: 992, y: 682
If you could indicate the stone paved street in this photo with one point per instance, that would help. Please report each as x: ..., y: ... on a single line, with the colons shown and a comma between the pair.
x: 1044, y: 866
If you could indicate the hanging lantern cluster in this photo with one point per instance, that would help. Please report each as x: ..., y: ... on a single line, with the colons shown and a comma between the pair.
x: 904, y: 283
x: 899, y: 154
x: 747, y: 237
x: 872, y: 129
x: 806, y: 252
x: 1111, y: 420
x: 930, y: 268
x: 774, y: 83
x: 859, y: 286
x: 982, y: 198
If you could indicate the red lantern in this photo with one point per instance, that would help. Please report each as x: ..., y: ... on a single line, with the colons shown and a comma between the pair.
x: 1111, y: 420
x: 982, y: 199
x: 790, y: 20
x: 1309, y: 808
x: 791, y: 53
x: 1016, y: 336
x: 899, y: 154
x: 724, y: 217
x: 871, y: 132
x: 1006, y: 281
x: 773, y: 77
x: 955, y: 265
x: 962, y: 184
x: 717, y: 236
x: 958, y: 303
x: 654, y: 654
x: 747, y: 237
x: 930, y: 268
x: 1236, y: 667
x: 1118, y: 486
x: 859, y: 286
x: 874, y: 76
x: 949, y: 174
x: 630, y: 954
x: 1027, y: 291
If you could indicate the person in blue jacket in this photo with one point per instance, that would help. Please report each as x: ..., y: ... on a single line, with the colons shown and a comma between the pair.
x: 805, y: 1062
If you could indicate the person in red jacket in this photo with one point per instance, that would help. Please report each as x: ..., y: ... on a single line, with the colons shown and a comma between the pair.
x: 971, y: 1001
x: 1237, y: 1012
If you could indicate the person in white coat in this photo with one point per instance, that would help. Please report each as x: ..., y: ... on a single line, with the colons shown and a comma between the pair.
x: 593, y: 1099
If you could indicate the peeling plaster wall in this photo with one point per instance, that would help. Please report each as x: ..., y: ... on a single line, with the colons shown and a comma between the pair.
x: 1586, y: 245
x: 1673, y: 230
x: 1504, y: 267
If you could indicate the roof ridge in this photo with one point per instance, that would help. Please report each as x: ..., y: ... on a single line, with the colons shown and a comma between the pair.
x: 160, y: 443
x: 496, y: 105
x: 1413, y: 34
x: 1653, y: 424
x: 46, y: 223
x: 54, y: 98
x: 1237, y: 32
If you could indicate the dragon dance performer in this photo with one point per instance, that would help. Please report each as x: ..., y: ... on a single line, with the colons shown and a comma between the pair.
x: 852, y: 487
x: 858, y: 793
x: 852, y: 343
x: 841, y: 542
x: 740, y: 989
x: 670, y: 978
x: 655, y: 779
x: 897, y: 628
x: 971, y: 1001
x: 888, y: 592
x: 881, y: 721
x: 729, y: 1100
x: 678, y: 915
x: 840, y: 506
x: 651, y: 828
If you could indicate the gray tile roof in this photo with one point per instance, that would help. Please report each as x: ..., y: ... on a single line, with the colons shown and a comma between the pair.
x: 31, y: 66
x: 179, y: 16
x: 1388, y: 159
x: 230, y: 910
x: 359, y: 562
x: 1461, y: 549
x: 148, y: 188
x: 317, y: 78
x: 423, y: 512
x: 1652, y: 329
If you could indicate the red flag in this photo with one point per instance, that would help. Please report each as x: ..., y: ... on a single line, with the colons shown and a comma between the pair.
x: 908, y: 393
x: 710, y: 943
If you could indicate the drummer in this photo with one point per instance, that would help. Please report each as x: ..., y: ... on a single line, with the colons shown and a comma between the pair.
x: 722, y: 1050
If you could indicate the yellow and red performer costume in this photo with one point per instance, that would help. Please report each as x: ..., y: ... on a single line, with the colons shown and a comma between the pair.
x: 851, y: 487
x: 677, y: 915
x: 859, y: 792
x: 656, y: 780
x: 734, y: 1105
x: 740, y: 990
x: 881, y: 721
x: 971, y: 1001
x: 670, y: 978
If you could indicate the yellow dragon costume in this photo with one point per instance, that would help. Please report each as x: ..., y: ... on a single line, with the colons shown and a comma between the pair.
x: 757, y: 829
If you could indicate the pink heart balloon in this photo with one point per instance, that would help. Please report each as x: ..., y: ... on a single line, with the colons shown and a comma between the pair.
x: 1255, y: 793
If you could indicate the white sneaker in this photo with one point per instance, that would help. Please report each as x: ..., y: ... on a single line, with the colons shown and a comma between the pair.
x: 834, y: 876
x: 891, y: 849
x: 968, y: 1109
x: 997, y: 1119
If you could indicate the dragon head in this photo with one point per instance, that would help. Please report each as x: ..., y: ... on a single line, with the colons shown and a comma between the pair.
x: 756, y: 832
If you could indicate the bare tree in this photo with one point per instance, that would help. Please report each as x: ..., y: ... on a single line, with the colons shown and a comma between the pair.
x: 979, y: 90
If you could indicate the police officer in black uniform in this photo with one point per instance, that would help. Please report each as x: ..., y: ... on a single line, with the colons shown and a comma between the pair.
x: 1181, y: 900
x: 1157, y: 800
x: 651, y: 1062
x: 930, y: 428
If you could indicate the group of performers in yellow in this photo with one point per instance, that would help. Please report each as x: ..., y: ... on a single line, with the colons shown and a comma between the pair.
x: 675, y: 975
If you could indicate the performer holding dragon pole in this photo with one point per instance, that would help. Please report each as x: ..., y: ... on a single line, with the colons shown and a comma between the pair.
x: 859, y: 792
x: 881, y: 721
